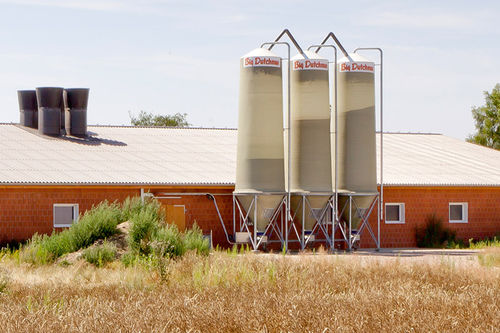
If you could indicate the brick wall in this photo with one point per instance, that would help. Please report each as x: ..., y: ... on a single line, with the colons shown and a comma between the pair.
x: 420, y: 202
x: 26, y: 210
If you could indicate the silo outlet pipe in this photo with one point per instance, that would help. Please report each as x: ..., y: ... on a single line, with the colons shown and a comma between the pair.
x: 335, y: 39
x: 289, y: 34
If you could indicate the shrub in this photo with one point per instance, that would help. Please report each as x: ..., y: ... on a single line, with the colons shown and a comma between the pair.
x: 434, y: 234
x: 129, y: 259
x: 100, y: 255
x: 135, y: 205
x: 97, y: 223
x: 144, y: 225
x: 168, y: 242
x: 194, y: 241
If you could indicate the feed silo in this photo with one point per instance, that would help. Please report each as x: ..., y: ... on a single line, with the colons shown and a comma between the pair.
x: 357, y: 178
x: 75, y: 109
x: 27, y: 108
x: 260, y: 179
x: 50, y: 104
x: 311, y: 167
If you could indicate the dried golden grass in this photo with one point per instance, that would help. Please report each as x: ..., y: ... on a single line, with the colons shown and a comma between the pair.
x: 254, y: 293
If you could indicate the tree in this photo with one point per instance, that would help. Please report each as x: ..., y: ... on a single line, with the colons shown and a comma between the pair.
x: 487, y: 118
x: 149, y: 119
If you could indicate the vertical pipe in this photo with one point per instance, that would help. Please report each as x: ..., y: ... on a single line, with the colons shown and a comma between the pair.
x: 289, y: 199
x: 378, y: 224
x: 381, y: 199
x: 350, y: 218
x: 255, y: 217
x: 303, y: 221
x: 335, y: 204
x: 234, y: 216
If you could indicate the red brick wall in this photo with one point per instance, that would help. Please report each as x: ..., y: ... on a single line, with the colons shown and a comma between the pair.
x: 26, y: 210
x: 420, y: 202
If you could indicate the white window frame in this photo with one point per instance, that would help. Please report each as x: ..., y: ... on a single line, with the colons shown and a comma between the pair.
x: 75, y: 214
x: 401, y: 212
x: 465, y: 212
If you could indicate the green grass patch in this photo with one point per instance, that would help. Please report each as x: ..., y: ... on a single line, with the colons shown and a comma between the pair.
x: 100, y: 255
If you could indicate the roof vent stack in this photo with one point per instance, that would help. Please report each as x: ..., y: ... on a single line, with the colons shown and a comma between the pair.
x: 28, y: 109
x: 50, y: 103
x: 75, y: 110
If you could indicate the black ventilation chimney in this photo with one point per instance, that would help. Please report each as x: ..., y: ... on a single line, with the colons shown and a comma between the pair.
x: 28, y: 108
x: 50, y: 104
x: 75, y: 110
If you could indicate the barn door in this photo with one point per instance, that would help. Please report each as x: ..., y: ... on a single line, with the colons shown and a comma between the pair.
x: 176, y: 215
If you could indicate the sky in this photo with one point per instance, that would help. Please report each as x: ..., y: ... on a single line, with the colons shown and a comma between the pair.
x: 167, y: 56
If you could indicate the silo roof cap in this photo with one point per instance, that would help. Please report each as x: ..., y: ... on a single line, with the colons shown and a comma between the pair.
x: 309, y: 54
x: 354, y: 57
x: 260, y: 52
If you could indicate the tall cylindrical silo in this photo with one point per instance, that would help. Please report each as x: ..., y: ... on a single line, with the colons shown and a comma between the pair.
x: 356, y: 134
x: 27, y: 107
x: 311, y: 167
x: 75, y: 106
x: 260, y: 153
x: 49, y: 110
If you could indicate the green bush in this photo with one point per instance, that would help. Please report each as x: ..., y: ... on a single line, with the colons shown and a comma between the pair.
x: 100, y: 255
x: 135, y: 205
x: 129, y: 259
x: 144, y: 225
x: 97, y: 223
x: 194, y: 241
x: 434, y: 234
x: 168, y: 242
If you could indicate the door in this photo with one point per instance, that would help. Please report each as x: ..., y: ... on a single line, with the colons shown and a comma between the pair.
x: 176, y: 215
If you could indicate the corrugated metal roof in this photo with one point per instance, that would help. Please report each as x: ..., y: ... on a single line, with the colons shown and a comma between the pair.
x: 196, y: 156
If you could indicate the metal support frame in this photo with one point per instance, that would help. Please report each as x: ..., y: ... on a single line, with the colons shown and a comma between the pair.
x: 380, y: 210
x: 244, y: 224
x: 320, y: 226
x: 347, y: 231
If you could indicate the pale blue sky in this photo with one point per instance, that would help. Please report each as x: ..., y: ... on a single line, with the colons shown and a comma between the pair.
x: 166, y: 56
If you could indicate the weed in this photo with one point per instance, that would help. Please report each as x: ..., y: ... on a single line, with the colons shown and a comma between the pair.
x: 100, y: 255
x: 490, y: 257
x: 144, y: 225
x: 168, y: 242
x: 195, y: 241
x: 434, y: 234
x: 485, y: 243
x: 4, y: 280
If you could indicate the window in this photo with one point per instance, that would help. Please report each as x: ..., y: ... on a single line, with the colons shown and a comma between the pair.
x: 458, y: 212
x: 394, y: 213
x: 65, y: 215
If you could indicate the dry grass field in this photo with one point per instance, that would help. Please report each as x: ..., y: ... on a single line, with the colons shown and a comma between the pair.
x: 225, y: 292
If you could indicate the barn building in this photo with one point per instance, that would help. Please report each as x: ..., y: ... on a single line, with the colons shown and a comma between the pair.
x: 46, y: 182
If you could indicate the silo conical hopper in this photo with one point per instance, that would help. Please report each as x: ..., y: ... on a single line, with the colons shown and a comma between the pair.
x: 49, y: 110
x: 260, y: 160
x: 75, y: 109
x: 356, y: 135
x: 311, y: 165
x: 27, y: 107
